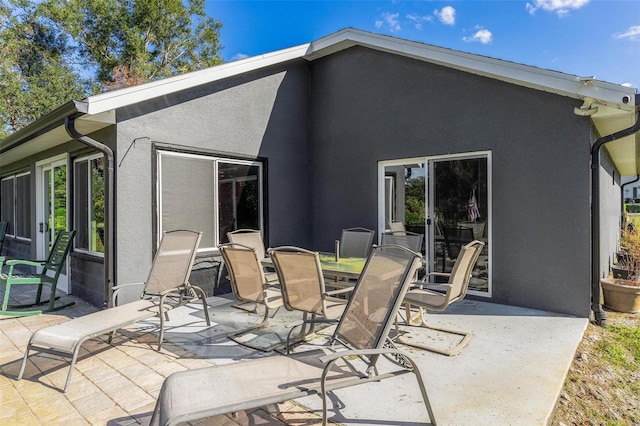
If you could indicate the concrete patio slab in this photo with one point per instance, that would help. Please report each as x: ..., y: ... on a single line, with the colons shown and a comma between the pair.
x: 511, y: 372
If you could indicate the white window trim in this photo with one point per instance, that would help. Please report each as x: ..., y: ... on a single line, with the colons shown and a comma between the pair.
x: 87, y: 158
x: 429, y: 160
x: 215, y: 159
x: 15, y: 177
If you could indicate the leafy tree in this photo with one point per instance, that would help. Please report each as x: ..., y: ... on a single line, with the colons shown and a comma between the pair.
x: 414, y: 200
x: 35, y: 78
x: 52, y: 51
x: 134, y: 41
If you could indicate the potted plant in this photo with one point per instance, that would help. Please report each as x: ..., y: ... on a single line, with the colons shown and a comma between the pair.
x: 622, y: 291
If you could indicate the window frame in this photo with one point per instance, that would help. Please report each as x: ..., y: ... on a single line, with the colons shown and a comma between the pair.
x: 12, y: 229
x: 215, y: 158
x: 428, y: 162
x: 88, y: 182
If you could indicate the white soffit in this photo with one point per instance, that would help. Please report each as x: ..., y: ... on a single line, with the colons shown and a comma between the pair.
x: 624, y: 152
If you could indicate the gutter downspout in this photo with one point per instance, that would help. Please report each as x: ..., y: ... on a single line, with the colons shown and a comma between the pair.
x: 109, y: 263
x: 622, y: 198
x: 599, y: 314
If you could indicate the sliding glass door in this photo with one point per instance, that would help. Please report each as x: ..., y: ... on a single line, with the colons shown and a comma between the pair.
x: 447, y: 200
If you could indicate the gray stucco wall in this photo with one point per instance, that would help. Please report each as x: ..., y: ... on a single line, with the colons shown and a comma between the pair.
x: 368, y: 106
x: 263, y: 114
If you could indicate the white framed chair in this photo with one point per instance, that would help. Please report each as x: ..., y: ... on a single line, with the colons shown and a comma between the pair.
x: 432, y: 300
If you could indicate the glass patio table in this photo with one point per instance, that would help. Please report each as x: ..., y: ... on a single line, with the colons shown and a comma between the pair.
x: 348, y: 268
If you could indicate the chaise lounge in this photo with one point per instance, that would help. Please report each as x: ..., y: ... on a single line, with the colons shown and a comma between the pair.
x: 168, y: 278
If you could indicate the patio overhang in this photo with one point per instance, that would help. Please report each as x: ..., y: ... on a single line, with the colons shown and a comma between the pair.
x: 624, y: 152
x: 49, y: 131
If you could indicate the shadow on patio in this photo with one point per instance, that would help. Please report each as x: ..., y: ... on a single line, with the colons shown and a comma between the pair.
x: 511, y: 372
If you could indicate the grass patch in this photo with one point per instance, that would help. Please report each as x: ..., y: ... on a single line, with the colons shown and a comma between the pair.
x: 621, y: 347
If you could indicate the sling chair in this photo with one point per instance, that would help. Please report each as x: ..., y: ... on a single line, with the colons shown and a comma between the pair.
x: 49, y: 274
x: 431, y: 300
x: 168, y: 278
x: 362, y: 334
x: 248, y: 284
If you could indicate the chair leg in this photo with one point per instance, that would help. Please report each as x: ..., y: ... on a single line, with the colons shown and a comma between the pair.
x: 236, y: 336
x: 203, y: 298
x: 39, y: 294
x: 162, y: 314
x: 71, y: 367
x: 24, y: 360
x: 455, y: 350
x: 5, y: 301
x: 246, y: 306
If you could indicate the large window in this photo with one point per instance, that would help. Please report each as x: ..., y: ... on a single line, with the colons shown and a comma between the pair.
x: 15, y: 204
x: 89, y: 204
x: 210, y: 194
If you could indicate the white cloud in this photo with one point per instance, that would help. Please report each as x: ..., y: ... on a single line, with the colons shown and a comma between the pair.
x: 626, y: 85
x: 390, y: 21
x: 561, y: 7
x: 419, y: 20
x: 633, y: 33
x: 481, y: 36
x: 447, y: 15
x: 238, y: 56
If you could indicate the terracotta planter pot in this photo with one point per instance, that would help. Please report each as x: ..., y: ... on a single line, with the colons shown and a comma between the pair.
x: 621, y: 298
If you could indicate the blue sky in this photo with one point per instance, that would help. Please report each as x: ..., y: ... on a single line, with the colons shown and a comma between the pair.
x: 582, y: 37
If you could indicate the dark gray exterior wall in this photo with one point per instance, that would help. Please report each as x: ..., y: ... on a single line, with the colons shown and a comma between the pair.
x: 368, y: 106
x: 262, y: 114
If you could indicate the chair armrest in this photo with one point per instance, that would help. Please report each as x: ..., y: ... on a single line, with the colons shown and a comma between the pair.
x: 424, y: 281
x: 25, y: 262
x: 357, y: 352
x: 440, y: 274
x: 127, y: 288
x: 339, y: 291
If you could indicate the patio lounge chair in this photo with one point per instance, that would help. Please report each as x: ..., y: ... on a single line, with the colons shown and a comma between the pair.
x: 356, y: 242
x: 431, y: 300
x: 249, y: 284
x: 303, y: 287
x: 363, y: 330
x: 49, y: 274
x: 169, y: 277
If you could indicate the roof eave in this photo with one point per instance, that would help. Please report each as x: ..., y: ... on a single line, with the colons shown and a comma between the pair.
x: 610, y: 94
x: 42, y: 125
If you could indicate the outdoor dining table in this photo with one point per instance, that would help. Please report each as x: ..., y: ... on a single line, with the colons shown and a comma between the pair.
x: 347, y: 268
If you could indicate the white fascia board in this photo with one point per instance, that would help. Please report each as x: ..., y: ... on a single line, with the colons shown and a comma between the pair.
x: 523, y: 75
x: 120, y: 98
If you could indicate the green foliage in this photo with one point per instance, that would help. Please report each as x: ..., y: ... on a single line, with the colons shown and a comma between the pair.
x: 35, y: 76
x: 414, y: 200
x: 632, y: 208
x: 622, y: 347
x: 52, y: 51
x: 135, y: 41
